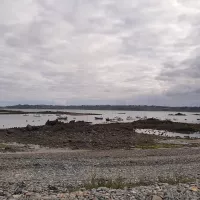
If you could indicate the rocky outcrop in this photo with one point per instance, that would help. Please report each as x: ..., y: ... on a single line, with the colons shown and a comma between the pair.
x: 29, y: 127
x: 52, y: 123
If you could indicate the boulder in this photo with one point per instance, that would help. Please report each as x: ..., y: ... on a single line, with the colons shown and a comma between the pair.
x: 29, y: 127
x: 155, y: 197
x: 52, y: 123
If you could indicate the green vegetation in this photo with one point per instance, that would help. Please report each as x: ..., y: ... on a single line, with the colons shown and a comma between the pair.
x: 118, y: 183
x: 7, y: 148
x: 2, y: 146
x: 158, y: 146
x: 121, y: 183
x: 175, y: 180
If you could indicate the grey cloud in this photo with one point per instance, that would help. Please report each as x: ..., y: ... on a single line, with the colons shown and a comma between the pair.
x: 197, y: 91
x: 182, y: 73
x: 99, y: 51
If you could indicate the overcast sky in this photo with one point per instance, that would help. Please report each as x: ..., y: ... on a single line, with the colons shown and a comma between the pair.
x: 100, y: 52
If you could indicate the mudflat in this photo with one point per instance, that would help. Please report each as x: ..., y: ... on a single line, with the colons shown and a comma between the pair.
x: 83, y: 135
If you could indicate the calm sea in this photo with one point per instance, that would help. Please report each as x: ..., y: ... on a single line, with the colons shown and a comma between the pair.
x: 9, y: 121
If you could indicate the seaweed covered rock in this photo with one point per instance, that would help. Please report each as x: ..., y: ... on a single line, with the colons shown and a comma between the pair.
x: 52, y: 123
x: 29, y: 127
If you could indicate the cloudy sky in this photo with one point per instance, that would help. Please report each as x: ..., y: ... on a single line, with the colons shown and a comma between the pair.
x: 100, y: 52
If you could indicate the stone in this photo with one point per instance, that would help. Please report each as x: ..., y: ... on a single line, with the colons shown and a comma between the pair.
x: 112, y: 191
x: 102, y: 189
x: 18, y: 190
x: 160, y: 194
x: 82, y: 189
x: 37, y: 196
x: 132, y: 198
x: 46, y: 198
x: 53, y: 196
x: 52, y: 187
x: 133, y: 192
x: 17, y: 196
x: 157, y: 188
x: 29, y: 127
x: 7, y: 194
x: 155, y: 197
x: 194, y: 188
x: 1, y: 193
x: 28, y: 194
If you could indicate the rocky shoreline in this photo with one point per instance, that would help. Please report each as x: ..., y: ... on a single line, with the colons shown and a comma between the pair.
x: 105, y: 161
x: 83, y: 135
x: 159, y: 173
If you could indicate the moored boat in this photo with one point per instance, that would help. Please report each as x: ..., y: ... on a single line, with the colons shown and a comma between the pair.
x: 98, y: 118
x: 129, y: 118
x: 37, y: 115
x: 107, y: 119
x: 62, y: 118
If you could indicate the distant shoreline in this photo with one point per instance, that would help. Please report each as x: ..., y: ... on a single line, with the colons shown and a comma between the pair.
x: 13, y: 112
x: 107, y: 107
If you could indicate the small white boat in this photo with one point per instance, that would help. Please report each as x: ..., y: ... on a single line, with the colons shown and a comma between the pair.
x: 98, y: 118
x: 107, y: 119
x: 118, y: 119
x: 37, y: 115
x: 62, y: 118
x: 129, y: 118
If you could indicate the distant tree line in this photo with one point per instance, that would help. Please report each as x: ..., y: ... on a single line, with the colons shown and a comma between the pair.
x: 108, y: 107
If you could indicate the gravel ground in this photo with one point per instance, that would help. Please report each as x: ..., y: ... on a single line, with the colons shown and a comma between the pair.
x: 54, y: 173
x: 153, y: 192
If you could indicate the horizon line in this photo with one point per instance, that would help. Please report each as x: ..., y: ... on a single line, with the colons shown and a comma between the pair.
x: 97, y: 105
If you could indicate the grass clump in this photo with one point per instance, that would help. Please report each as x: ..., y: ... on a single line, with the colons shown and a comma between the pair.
x: 121, y: 183
x: 118, y: 183
x: 2, y: 146
x: 7, y: 148
x: 175, y: 180
x: 158, y: 146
